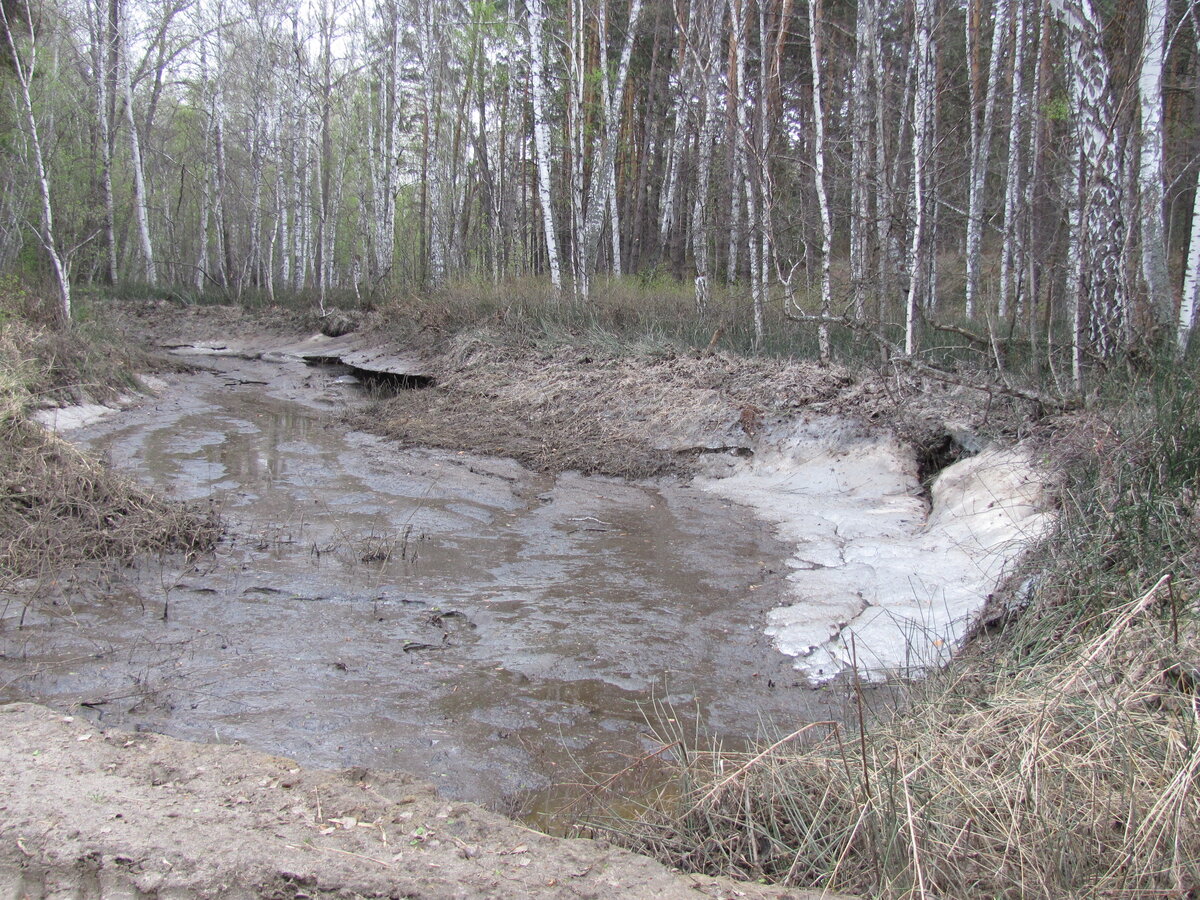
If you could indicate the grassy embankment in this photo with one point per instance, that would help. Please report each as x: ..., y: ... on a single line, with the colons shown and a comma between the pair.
x: 58, y: 506
x: 1059, y: 755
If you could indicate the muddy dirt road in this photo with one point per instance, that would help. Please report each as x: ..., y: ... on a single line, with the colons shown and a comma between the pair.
x: 490, y: 629
x: 503, y: 633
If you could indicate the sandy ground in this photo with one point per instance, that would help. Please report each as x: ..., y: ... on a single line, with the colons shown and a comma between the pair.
x: 90, y: 814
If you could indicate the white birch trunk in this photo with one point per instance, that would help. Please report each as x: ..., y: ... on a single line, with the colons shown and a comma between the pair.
x: 302, y: 222
x: 885, y: 201
x: 1018, y: 112
x: 604, y: 171
x: 814, y: 43
x: 860, y: 150
x: 763, y: 226
x: 923, y: 95
x: 1151, y: 175
x: 385, y: 242
x: 614, y: 222
x: 669, y: 198
x: 140, y: 201
x: 25, y: 73
x: 1191, y: 280
x: 98, y: 26
x: 576, y: 128
x: 669, y: 201
x: 541, y: 138
x: 281, y: 236
x: 738, y: 175
x: 1094, y: 242
x: 254, y: 261
x: 981, y: 145
x: 202, y: 262
x: 703, y: 24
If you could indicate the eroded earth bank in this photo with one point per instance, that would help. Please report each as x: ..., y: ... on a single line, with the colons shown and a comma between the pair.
x: 543, y: 565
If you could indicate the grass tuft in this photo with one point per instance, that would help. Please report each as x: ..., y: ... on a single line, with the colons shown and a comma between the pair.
x: 1071, y: 778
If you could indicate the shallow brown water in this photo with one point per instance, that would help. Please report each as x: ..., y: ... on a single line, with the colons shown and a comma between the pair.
x: 492, y: 629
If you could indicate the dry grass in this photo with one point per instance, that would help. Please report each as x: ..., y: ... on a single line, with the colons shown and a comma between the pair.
x: 58, y: 506
x: 1077, y: 778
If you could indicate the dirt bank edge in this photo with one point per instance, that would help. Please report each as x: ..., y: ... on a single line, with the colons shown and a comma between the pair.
x: 578, y: 401
x: 92, y: 813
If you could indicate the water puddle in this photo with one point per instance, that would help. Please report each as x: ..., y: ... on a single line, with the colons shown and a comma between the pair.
x: 491, y: 629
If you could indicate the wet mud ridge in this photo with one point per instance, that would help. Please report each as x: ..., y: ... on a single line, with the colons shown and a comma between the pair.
x: 87, y: 813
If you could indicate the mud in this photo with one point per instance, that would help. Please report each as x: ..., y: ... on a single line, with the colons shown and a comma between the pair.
x: 490, y: 629
x: 87, y: 813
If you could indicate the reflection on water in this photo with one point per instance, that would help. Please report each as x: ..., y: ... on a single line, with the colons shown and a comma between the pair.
x: 487, y: 627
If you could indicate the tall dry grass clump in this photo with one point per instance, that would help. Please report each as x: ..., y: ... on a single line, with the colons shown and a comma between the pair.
x: 59, y: 506
x: 1058, y: 758
x: 1077, y: 778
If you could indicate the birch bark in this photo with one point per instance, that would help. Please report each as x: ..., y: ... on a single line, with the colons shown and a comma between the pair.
x: 703, y: 49
x: 981, y: 144
x: 1018, y: 112
x: 814, y: 43
x: 140, y: 201
x: 604, y: 152
x: 860, y: 151
x: 25, y: 72
x: 101, y: 52
x: 541, y: 136
x: 923, y: 97
x: 1186, y: 320
x: 202, y: 242
x: 1094, y: 250
x: 1151, y: 176
x: 1191, y: 281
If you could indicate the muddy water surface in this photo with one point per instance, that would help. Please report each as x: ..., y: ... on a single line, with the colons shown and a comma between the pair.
x: 492, y: 629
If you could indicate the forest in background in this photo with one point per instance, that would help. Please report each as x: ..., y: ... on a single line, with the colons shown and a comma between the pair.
x: 1010, y: 170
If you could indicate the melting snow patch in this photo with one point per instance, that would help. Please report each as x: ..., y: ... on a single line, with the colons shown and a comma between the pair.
x: 877, y: 576
x: 66, y: 418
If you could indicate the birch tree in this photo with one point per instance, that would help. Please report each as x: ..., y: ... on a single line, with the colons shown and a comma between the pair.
x: 141, y: 204
x: 102, y: 20
x: 703, y: 47
x: 1018, y: 112
x: 1094, y: 252
x: 1186, y: 320
x: 981, y: 133
x: 923, y: 110
x: 541, y: 136
x: 25, y: 71
x: 604, y: 149
x: 861, y: 120
x: 1151, y: 176
x: 814, y: 44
